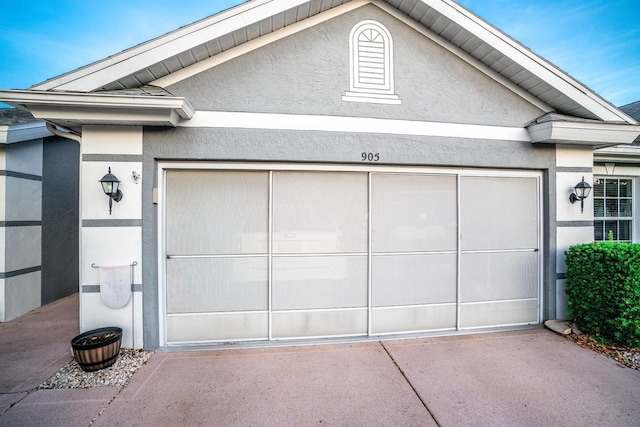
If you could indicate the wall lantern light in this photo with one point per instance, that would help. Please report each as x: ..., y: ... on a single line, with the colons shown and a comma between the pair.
x: 110, y: 187
x: 581, y: 192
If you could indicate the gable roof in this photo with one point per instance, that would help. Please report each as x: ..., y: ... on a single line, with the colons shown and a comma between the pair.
x: 444, y: 21
x: 129, y: 88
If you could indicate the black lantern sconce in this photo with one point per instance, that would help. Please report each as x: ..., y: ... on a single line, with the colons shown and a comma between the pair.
x: 110, y: 186
x: 581, y: 192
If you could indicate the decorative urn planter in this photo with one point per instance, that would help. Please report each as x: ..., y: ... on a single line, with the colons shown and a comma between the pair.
x: 97, y: 349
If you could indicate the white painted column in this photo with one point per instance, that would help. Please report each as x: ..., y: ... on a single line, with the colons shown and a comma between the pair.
x: 111, y: 240
x: 572, y: 226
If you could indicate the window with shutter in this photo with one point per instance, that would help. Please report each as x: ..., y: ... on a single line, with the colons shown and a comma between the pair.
x: 371, y: 64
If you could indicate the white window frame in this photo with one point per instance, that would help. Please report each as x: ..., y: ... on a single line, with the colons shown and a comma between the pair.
x: 634, y: 209
x: 361, y: 90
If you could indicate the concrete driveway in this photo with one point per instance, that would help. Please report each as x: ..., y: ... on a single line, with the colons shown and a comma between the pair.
x: 520, y: 378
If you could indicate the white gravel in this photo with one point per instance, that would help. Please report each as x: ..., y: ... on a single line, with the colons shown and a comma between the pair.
x: 117, y: 375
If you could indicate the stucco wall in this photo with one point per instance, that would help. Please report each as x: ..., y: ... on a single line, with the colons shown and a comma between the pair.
x: 273, y: 145
x: 573, y: 226
x: 60, y: 218
x: 21, y: 229
x: 39, y: 232
x: 308, y: 72
x: 111, y: 240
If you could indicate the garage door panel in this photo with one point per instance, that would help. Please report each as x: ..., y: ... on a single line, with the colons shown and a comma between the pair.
x: 216, y: 212
x: 413, y: 279
x: 498, y: 213
x: 499, y: 276
x: 196, y: 285
x: 414, y: 213
x: 319, y: 282
x: 261, y: 255
x: 498, y: 313
x: 413, y: 319
x: 217, y: 327
x: 325, y: 323
x: 319, y: 213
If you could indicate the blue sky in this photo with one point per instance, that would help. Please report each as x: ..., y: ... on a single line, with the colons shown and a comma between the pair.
x: 595, y: 41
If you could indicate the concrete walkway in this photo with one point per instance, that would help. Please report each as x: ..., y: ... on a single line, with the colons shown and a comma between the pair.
x: 524, y: 378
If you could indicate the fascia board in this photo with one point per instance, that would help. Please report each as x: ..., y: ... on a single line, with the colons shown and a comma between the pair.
x: 90, y: 107
x: 527, y: 59
x: 98, y: 74
x: 627, y: 154
x: 580, y: 133
x: 83, y: 115
x: 26, y: 132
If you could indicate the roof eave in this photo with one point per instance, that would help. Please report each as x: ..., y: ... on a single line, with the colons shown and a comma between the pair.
x: 10, y: 134
x: 593, y: 134
x: 94, y: 108
x: 618, y: 154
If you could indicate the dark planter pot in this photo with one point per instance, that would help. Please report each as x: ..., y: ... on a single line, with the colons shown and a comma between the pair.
x: 97, y: 349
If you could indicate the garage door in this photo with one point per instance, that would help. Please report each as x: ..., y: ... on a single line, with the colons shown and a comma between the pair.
x: 292, y: 254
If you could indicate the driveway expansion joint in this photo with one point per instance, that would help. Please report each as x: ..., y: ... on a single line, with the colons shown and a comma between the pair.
x: 409, y: 382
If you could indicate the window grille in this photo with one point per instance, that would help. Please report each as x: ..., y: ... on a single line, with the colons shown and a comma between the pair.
x: 613, y: 209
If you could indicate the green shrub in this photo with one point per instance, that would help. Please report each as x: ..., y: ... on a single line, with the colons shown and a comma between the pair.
x: 603, y: 290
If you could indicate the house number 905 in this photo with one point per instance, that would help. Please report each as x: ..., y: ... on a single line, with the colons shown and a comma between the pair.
x: 370, y: 157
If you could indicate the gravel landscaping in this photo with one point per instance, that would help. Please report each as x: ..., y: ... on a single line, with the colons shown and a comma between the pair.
x: 117, y: 375
x: 629, y: 357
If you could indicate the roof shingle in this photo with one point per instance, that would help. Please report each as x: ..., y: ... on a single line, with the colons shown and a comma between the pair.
x: 15, y: 116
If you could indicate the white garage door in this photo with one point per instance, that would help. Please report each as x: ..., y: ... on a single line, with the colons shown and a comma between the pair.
x: 284, y: 254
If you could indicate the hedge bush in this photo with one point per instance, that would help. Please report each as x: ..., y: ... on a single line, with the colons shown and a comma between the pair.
x: 603, y: 290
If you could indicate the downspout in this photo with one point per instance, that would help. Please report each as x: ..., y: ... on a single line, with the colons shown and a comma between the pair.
x: 67, y: 133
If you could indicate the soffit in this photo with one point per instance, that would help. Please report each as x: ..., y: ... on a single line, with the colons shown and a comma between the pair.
x: 455, y: 26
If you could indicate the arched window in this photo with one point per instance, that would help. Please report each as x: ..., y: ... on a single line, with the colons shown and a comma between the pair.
x: 371, y: 64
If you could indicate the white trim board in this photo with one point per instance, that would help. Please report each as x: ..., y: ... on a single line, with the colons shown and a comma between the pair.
x: 219, y: 119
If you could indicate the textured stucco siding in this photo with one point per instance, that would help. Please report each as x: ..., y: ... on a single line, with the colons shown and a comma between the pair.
x: 301, y: 146
x: 24, y: 199
x: 308, y: 72
x: 60, y: 218
x: 21, y: 229
x: 39, y: 232
x: 25, y: 157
